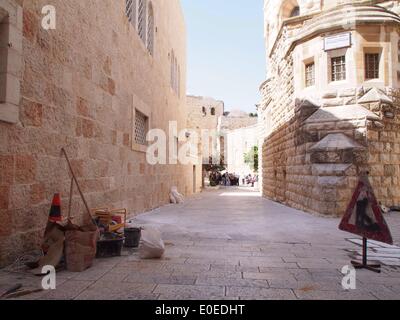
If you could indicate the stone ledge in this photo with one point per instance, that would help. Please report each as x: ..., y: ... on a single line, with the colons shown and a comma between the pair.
x: 9, y: 113
x: 350, y: 112
x: 375, y: 95
x: 336, y: 141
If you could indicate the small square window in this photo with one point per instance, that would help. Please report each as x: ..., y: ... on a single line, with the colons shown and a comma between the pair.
x: 310, y: 74
x: 141, y: 128
x: 372, y: 66
x: 338, y: 68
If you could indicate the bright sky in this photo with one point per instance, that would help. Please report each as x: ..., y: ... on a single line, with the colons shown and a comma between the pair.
x: 226, y: 56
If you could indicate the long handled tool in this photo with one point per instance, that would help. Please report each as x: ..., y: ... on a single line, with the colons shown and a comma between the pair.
x: 77, y: 185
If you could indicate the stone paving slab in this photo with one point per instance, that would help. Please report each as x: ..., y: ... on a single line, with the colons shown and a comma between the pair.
x: 260, y: 293
x: 333, y: 295
x: 191, y: 290
x: 235, y: 282
x: 118, y: 291
x: 229, y: 248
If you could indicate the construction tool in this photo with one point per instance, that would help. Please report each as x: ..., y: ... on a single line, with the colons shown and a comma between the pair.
x: 77, y: 185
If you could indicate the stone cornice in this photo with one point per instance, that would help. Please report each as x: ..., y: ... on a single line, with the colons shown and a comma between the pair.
x: 337, y: 19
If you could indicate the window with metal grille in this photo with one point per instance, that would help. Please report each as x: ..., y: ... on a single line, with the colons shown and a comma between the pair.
x: 150, y: 30
x: 141, y: 127
x: 310, y: 74
x: 142, y: 20
x: 338, y: 68
x: 372, y: 66
x: 131, y: 11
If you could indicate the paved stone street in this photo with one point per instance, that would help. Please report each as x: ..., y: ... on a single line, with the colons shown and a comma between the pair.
x: 233, y: 244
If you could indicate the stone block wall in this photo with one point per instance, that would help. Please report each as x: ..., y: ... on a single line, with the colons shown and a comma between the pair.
x: 313, y: 161
x: 80, y: 85
x: 318, y: 140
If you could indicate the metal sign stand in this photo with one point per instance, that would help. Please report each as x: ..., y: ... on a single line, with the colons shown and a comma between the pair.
x: 364, y: 265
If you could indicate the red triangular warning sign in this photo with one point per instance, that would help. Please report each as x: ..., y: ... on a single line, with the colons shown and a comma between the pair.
x: 364, y: 217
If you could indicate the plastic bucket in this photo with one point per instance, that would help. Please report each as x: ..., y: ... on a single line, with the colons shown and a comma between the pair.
x: 132, y: 237
x: 109, y: 246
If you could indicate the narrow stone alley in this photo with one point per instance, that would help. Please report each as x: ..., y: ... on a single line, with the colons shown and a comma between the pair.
x: 231, y: 244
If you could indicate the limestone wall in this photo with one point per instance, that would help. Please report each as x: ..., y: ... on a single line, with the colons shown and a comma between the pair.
x: 238, y: 143
x: 80, y: 85
x: 319, y: 139
x: 200, y: 112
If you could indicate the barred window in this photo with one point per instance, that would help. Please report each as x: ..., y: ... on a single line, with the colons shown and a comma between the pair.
x: 310, y: 74
x: 142, y: 20
x: 372, y: 66
x: 175, y: 74
x: 338, y: 68
x: 131, y: 11
x: 150, y: 30
x: 141, y: 128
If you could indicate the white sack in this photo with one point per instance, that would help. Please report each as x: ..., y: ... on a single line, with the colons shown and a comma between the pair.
x: 151, y: 244
x: 175, y: 196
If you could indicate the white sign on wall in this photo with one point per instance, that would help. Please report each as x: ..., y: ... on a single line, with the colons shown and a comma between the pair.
x: 337, y: 41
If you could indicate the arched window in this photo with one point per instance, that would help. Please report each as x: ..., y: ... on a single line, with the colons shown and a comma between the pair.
x: 142, y: 20
x: 150, y: 29
x: 213, y: 111
x: 295, y: 12
x: 131, y: 11
x: 289, y: 9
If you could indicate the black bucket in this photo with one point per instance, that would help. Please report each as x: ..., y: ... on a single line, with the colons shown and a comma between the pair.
x: 109, y: 246
x: 132, y: 237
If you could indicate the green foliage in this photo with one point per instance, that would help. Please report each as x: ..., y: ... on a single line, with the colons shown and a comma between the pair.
x: 251, y: 158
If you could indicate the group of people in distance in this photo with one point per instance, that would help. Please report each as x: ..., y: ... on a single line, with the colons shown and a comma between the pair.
x: 232, y: 179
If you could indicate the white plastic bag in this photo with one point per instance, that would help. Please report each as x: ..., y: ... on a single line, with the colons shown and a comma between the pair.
x: 175, y: 196
x: 151, y: 244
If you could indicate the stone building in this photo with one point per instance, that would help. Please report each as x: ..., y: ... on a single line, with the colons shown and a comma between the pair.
x: 330, y: 106
x: 236, y: 119
x: 203, y: 116
x: 109, y: 71
x: 208, y: 115
x: 240, y: 142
